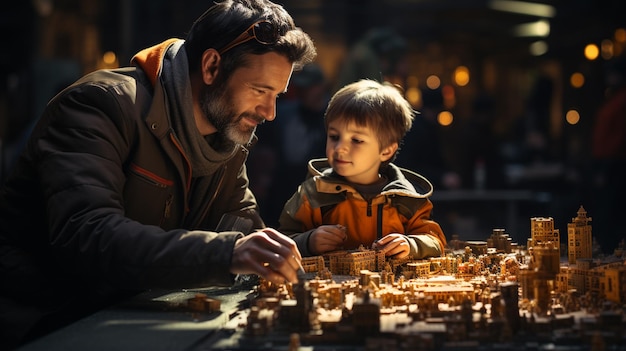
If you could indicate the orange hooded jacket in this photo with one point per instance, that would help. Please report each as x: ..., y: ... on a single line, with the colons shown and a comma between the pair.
x: 402, y: 207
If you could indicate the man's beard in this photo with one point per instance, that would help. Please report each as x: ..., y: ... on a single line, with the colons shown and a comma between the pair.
x: 218, y: 108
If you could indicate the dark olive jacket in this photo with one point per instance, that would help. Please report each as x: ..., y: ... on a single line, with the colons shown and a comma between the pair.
x: 97, y: 202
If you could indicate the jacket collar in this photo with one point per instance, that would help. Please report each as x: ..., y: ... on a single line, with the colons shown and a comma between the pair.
x: 401, y: 180
x: 150, y: 59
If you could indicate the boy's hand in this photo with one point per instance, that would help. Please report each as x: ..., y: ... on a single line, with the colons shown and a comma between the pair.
x: 327, y: 238
x: 394, y: 244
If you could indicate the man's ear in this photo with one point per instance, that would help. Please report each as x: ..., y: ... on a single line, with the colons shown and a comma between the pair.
x: 210, y: 65
x: 388, y: 152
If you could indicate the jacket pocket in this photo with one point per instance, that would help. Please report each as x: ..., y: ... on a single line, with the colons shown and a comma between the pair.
x: 148, y: 197
x: 150, y: 177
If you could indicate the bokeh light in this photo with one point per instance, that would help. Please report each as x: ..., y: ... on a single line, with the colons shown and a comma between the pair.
x: 433, y: 82
x: 414, y: 96
x: 449, y: 96
x: 538, y: 48
x: 445, y: 118
x: 577, y: 80
x: 461, y: 76
x: 592, y: 52
x: 606, y: 49
x: 109, y: 58
x: 620, y: 35
x: 572, y: 117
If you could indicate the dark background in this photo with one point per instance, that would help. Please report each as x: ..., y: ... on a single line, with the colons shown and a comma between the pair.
x: 48, y: 44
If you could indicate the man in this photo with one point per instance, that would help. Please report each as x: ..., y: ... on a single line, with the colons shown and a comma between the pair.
x: 135, y: 178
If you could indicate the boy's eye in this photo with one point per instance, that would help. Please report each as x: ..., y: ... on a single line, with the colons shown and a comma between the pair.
x: 333, y: 137
x: 357, y: 141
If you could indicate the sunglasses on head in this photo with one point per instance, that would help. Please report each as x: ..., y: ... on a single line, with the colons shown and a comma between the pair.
x: 265, y: 32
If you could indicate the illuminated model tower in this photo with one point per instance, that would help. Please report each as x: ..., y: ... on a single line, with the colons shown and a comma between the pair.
x: 544, y: 248
x: 542, y: 232
x: 579, y: 237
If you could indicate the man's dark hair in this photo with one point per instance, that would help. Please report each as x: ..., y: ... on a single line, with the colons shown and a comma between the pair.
x: 227, y: 19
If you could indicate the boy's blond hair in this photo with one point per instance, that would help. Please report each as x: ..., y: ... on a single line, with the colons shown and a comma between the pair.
x: 369, y: 103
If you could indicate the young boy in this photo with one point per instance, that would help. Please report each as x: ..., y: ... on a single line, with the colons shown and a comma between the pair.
x: 356, y: 196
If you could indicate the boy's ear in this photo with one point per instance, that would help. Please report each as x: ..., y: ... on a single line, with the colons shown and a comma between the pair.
x: 388, y: 152
x: 210, y: 65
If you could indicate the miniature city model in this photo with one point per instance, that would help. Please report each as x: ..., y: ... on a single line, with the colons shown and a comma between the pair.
x: 484, y: 295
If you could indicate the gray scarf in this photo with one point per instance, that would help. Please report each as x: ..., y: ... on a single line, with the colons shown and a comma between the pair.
x: 204, y: 158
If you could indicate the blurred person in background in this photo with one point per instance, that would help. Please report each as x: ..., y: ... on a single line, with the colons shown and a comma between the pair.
x: 482, y: 166
x: 422, y: 148
x: 381, y: 55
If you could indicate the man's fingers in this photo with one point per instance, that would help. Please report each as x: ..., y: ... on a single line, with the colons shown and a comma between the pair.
x: 278, y: 270
x: 269, y: 254
x: 267, y: 272
x: 281, y: 241
x: 284, y: 258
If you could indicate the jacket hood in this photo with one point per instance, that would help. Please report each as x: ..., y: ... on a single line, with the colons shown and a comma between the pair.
x: 400, y: 179
x: 151, y: 59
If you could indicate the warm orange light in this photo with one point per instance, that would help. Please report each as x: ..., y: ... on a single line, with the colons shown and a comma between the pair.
x: 414, y: 96
x: 433, y: 82
x: 412, y: 81
x: 109, y: 58
x: 591, y: 52
x: 449, y: 96
x: 461, y: 76
x: 577, y: 80
x: 447, y: 91
x: 445, y: 118
x: 572, y: 117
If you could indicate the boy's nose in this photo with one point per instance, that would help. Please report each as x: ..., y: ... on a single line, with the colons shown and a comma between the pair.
x: 341, y: 146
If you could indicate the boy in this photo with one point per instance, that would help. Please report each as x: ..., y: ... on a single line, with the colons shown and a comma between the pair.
x: 356, y: 196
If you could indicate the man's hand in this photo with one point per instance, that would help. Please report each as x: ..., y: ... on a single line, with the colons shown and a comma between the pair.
x: 394, y: 244
x: 327, y: 238
x: 269, y: 254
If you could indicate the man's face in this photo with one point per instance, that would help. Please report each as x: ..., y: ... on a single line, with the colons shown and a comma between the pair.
x: 248, y: 98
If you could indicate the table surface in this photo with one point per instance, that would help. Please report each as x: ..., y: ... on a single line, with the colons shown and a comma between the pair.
x: 154, y: 320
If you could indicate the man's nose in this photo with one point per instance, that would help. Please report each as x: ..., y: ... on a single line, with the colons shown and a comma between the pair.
x: 268, y: 109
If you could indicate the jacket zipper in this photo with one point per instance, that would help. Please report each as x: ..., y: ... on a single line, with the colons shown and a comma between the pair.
x: 168, y: 208
x: 369, y: 208
x: 379, y: 222
x: 187, y: 162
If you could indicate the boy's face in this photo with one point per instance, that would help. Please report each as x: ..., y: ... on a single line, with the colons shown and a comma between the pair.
x: 354, y: 151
